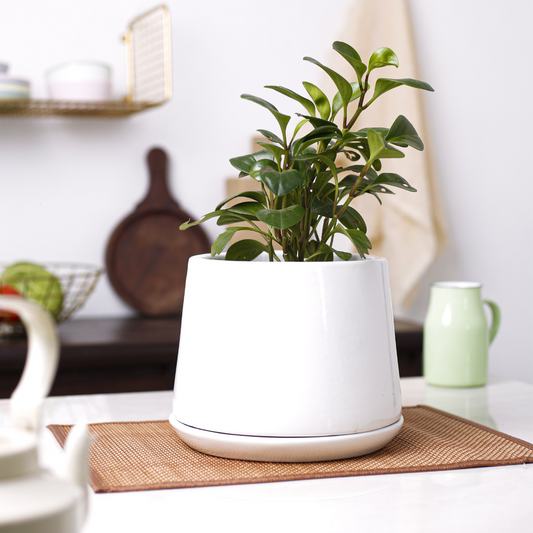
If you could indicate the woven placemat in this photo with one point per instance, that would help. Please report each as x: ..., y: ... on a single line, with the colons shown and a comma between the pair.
x: 127, y: 456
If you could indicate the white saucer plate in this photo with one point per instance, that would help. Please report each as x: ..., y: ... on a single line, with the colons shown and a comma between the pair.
x: 285, y: 449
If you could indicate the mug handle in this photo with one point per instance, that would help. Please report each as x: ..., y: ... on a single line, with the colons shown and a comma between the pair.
x: 496, y: 317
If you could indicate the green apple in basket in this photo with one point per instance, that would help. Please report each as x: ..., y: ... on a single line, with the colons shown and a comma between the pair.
x: 35, y: 283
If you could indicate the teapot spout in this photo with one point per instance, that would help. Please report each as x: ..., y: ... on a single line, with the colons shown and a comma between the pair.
x: 76, y: 465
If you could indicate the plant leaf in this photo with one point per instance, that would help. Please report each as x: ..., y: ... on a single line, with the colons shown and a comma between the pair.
x: 386, y: 84
x: 382, y: 57
x: 319, y: 98
x: 321, y: 133
x: 379, y: 149
x: 393, y: 180
x: 222, y: 241
x: 271, y: 136
x: 245, y: 250
x: 282, y: 218
x: 309, y: 106
x: 351, y: 219
x: 362, y: 133
x: 229, y: 218
x: 337, y: 103
x: 358, y: 238
x: 282, y: 119
x: 322, y: 206
x: 321, y: 180
x: 325, y: 250
x: 276, y: 151
x: 345, y: 256
x: 318, y: 122
x: 258, y: 196
x: 342, y: 84
x: 255, y: 171
x: 349, y: 53
x: 246, y: 208
x: 402, y: 132
x: 213, y: 214
x: 245, y: 162
x: 281, y: 183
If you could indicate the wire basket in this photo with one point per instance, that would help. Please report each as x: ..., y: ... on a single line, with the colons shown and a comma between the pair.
x: 77, y: 282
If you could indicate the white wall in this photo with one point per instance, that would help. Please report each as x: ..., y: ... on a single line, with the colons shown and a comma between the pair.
x: 66, y: 183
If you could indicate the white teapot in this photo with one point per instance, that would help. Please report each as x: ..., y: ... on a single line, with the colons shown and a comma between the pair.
x: 31, y: 499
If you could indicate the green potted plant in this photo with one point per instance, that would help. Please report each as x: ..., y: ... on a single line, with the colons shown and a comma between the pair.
x: 311, y: 373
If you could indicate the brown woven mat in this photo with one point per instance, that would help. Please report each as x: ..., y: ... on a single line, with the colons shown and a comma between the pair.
x: 128, y: 456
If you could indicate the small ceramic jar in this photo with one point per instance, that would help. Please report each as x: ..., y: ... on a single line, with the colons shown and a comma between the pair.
x: 80, y: 81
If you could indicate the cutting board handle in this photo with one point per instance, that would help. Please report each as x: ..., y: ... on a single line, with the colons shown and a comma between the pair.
x: 158, y: 195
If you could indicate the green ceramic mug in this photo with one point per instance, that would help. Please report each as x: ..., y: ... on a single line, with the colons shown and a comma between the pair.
x: 457, y: 336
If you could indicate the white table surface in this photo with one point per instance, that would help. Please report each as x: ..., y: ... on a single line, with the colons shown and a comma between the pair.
x: 496, y: 499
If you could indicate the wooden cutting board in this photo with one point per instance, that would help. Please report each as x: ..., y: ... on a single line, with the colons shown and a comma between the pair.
x: 147, y: 254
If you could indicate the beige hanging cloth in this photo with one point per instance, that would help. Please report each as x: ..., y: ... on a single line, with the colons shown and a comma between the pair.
x: 408, y: 229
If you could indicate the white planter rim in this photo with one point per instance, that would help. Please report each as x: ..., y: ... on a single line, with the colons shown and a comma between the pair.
x: 263, y: 259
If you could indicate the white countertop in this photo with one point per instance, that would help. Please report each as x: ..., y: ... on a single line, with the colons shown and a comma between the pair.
x: 496, y: 499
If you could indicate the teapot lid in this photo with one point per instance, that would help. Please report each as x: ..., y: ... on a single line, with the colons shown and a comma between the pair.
x: 18, y: 452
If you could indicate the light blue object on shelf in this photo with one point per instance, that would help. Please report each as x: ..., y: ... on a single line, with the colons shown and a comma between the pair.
x: 12, y: 88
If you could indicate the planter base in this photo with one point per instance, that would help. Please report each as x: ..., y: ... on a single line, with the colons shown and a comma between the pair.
x: 285, y: 449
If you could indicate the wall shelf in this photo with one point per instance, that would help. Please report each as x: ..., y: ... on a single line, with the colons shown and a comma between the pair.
x: 48, y: 108
x: 149, y: 71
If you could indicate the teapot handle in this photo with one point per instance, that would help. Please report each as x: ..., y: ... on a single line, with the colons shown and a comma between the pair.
x: 76, y: 466
x: 41, y: 362
x: 496, y: 318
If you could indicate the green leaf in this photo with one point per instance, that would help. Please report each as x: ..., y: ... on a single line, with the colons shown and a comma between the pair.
x: 337, y: 99
x: 382, y: 57
x: 379, y: 149
x: 319, y: 98
x: 245, y: 250
x: 402, y: 132
x: 276, y: 151
x: 222, y: 241
x: 326, y: 250
x: 213, y: 214
x: 346, y: 50
x: 321, y: 180
x: 362, y: 133
x: 281, y: 183
x: 322, y: 133
x: 358, y: 238
x: 255, y: 171
x: 258, y: 196
x: 299, y: 126
x: 393, y: 180
x: 345, y: 256
x: 342, y: 84
x: 349, y: 53
x: 322, y: 206
x: 229, y: 218
x: 351, y: 219
x: 282, y: 218
x: 245, y: 162
x: 246, y: 208
x: 271, y: 136
x: 318, y: 122
x: 282, y: 119
x: 336, y: 105
x: 384, y: 85
x: 309, y: 106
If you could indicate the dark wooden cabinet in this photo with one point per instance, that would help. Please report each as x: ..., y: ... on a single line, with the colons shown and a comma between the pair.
x: 139, y: 354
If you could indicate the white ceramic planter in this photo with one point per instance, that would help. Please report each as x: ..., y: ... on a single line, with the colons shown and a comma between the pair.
x: 287, y: 361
